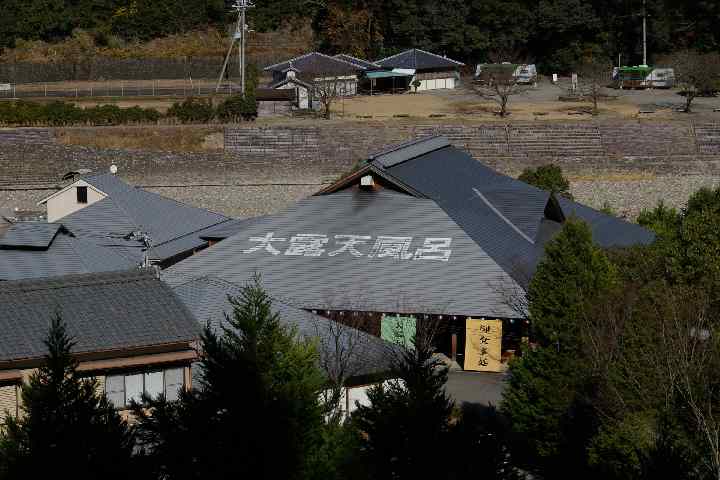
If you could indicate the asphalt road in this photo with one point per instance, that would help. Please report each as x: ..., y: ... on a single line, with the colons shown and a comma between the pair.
x: 476, y: 387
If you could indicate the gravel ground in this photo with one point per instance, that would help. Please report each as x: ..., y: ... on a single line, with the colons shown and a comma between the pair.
x: 626, y: 197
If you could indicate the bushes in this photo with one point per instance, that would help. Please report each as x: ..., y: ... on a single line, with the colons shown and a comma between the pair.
x: 60, y: 114
x: 238, y: 108
x: 192, y: 110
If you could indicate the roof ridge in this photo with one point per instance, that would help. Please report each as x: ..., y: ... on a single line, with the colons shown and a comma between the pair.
x: 438, y: 56
x: 503, y: 217
x: 289, y: 61
x: 409, y: 143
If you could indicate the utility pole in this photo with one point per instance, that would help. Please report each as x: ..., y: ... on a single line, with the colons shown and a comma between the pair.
x: 644, y: 34
x: 241, y: 29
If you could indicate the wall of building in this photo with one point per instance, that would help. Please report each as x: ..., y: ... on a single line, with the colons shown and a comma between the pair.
x: 8, y: 401
x: 65, y: 203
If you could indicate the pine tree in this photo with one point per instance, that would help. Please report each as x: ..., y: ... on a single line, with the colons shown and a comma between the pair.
x: 256, y: 413
x: 406, y: 426
x: 66, y: 427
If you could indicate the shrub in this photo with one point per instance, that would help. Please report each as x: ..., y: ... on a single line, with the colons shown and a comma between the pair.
x: 58, y: 114
x: 237, y: 108
x: 547, y: 177
x: 192, y: 110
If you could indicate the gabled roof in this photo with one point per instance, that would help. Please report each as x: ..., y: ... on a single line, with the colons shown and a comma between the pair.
x: 407, y: 256
x: 508, y: 219
x: 288, y: 80
x: 128, y: 209
x: 316, y: 63
x: 365, y: 64
x: 34, y: 251
x: 417, y: 59
x: 108, y: 312
x: 207, y: 298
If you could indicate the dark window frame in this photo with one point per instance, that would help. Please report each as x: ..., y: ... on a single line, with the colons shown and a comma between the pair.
x: 82, y: 194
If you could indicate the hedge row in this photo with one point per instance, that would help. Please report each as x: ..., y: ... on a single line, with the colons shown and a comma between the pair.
x: 57, y: 114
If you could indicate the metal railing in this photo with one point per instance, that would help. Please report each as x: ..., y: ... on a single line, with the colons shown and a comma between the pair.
x: 115, y: 89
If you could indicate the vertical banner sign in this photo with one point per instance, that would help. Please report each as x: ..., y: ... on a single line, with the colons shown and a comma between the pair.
x: 483, y: 345
x: 397, y: 329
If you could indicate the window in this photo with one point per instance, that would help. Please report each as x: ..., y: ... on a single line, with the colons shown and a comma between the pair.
x: 123, y: 389
x: 82, y: 194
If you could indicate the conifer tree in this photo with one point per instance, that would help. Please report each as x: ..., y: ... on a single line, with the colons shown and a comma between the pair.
x: 547, y: 398
x: 66, y: 427
x: 256, y: 413
x: 406, y: 425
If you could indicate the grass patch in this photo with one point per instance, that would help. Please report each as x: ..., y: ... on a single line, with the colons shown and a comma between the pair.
x: 163, y: 139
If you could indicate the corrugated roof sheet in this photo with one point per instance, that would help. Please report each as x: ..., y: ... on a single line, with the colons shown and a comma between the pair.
x: 108, y: 311
x: 207, y: 298
x: 407, y: 279
x: 418, y: 60
x: 65, y: 255
x: 29, y: 235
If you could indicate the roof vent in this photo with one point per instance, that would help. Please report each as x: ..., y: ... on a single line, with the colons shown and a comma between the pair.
x: 113, y: 169
x: 367, y: 181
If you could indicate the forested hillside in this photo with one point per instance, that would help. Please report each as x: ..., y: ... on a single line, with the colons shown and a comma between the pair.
x: 552, y: 33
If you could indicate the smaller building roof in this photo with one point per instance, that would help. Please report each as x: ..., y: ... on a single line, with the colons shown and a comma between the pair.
x: 29, y: 235
x: 417, y: 59
x: 37, y: 250
x: 316, y: 63
x: 128, y: 209
x: 106, y: 313
x: 207, y: 298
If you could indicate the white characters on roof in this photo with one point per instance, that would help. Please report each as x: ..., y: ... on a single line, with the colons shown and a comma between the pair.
x: 317, y: 245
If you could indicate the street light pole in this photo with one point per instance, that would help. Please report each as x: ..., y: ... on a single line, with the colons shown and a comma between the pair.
x: 644, y: 34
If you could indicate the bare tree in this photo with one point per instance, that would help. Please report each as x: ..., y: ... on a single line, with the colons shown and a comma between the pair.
x: 593, y: 76
x: 343, y: 348
x: 327, y: 87
x: 696, y: 74
x: 499, y: 85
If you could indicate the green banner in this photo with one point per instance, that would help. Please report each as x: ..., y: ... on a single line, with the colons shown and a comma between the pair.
x: 397, y: 329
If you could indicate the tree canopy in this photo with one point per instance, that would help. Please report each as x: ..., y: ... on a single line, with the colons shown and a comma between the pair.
x: 555, y: 34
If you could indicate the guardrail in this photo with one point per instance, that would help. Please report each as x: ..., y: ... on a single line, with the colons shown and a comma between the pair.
x: 115, y: 89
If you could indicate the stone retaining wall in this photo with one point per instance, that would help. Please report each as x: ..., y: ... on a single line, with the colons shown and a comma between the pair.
x: 301, y: 153
x: 662, y: 148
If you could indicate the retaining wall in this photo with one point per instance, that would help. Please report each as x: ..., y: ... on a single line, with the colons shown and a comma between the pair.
x: 296, y: 153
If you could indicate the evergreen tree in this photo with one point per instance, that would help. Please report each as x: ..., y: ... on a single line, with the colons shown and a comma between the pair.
x: 550, y: 387
x: 547, y: 177
x: 406, y: 425
x: 66, y: 428
x: 256, y: 413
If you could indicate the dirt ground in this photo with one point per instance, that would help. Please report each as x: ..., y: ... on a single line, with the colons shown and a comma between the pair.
x: 540, y: 103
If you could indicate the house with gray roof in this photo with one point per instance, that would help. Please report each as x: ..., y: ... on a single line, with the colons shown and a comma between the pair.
x: 312, y: 68
x: 433, y: 71
x: 31, y: 250
x: 421, y: 229
x: 131, y: 332
x: 144, y: 226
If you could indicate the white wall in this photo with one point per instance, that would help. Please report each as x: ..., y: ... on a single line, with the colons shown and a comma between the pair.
x: 65, y: 203
x: 435, y: 84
